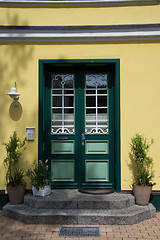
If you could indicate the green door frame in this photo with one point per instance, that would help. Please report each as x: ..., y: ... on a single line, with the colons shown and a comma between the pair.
x: 116, y: 62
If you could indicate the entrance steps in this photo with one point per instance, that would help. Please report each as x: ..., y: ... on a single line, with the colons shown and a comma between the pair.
x: 70, y: 207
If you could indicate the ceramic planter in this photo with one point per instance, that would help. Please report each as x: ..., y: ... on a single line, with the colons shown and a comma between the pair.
x: 142, y: 194
x: 16, y: 194
x: 46, y: 190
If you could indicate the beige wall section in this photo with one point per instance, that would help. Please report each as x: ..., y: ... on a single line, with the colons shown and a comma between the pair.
x: 18, y: 63
x: 80, y: 16
x: 140, y: 98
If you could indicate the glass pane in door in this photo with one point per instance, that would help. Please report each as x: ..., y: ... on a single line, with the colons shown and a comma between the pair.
x: 62, y: 104
x: 96, y: 113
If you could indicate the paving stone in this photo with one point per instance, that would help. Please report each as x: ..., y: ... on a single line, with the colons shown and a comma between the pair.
x: 136, y: 228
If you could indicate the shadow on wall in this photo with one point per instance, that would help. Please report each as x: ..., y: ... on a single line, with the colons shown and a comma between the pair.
x: 14, y: 60
x: 15, y: 112
x: 14, y: 64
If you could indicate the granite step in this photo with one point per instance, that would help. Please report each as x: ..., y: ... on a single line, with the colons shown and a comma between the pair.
x: 72, y: 207
x: 72, y: 199
x: 126, y: 216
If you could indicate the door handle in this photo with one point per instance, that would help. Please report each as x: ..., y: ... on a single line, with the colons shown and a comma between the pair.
x: 83, y: 139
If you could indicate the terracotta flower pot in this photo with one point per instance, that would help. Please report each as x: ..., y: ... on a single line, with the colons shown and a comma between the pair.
x: 142, y: 194
x: 16, y: 194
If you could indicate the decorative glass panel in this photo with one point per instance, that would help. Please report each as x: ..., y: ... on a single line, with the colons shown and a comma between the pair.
x: 96, y: 121
x: 62, y: 104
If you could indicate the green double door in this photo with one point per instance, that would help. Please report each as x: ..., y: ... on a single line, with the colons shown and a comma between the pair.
x: 79, y: 125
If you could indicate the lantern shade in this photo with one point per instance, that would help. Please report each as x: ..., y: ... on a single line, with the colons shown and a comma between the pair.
x: 13, y: 92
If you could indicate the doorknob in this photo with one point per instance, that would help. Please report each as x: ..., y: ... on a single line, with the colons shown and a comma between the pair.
x: 83, y: 139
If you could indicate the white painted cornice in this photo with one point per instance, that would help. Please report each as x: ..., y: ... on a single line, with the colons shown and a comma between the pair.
x: 72, y: 3
x: 146, y: 32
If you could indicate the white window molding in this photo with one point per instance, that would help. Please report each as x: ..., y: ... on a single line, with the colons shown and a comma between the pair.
x: 145, y: 32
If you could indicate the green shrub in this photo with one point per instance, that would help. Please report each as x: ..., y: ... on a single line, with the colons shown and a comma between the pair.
x: 39, y: 174
x: 141, y: 164
x: 14, y: 149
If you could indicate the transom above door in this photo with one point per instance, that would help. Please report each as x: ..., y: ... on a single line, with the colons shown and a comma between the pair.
x: 79, y: 125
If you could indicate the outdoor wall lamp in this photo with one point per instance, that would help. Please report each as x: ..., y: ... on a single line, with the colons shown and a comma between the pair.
x: 14, y: 94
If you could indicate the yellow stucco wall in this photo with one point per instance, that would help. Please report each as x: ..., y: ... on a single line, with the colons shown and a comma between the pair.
x: 139, y: 76
x: 80, y: 16
x: 140, y: 98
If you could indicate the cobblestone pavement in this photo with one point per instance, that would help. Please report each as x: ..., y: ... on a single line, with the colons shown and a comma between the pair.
x: 11, y: 229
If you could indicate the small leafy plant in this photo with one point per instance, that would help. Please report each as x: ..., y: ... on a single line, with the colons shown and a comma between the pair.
x: 141, y: 164
x: 14, y: 149
x: 39, y: 174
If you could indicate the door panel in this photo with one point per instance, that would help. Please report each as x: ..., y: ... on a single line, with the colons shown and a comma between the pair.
x: 97, y: 153
x: 97, y: 171
x: 79, y: 126
x: 96, y: 147
x: 62, y: 147
x: 63, y: 170
x: 62, y: 134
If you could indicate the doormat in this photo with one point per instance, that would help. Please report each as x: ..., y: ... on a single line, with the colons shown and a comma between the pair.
x: 79, y: 232
x: 96, y: 191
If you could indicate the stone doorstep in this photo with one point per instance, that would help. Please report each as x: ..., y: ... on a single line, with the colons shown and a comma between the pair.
x: 72, y: 207
x: 60, y: 199
x: 127, y: 216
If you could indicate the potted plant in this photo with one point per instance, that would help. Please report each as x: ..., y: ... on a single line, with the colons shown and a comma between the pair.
x: 142, y: 169
x: 40, y: 178
x: 14, y: 174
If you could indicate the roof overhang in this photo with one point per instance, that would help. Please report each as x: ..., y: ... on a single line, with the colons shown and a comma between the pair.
x: 72, y: 3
